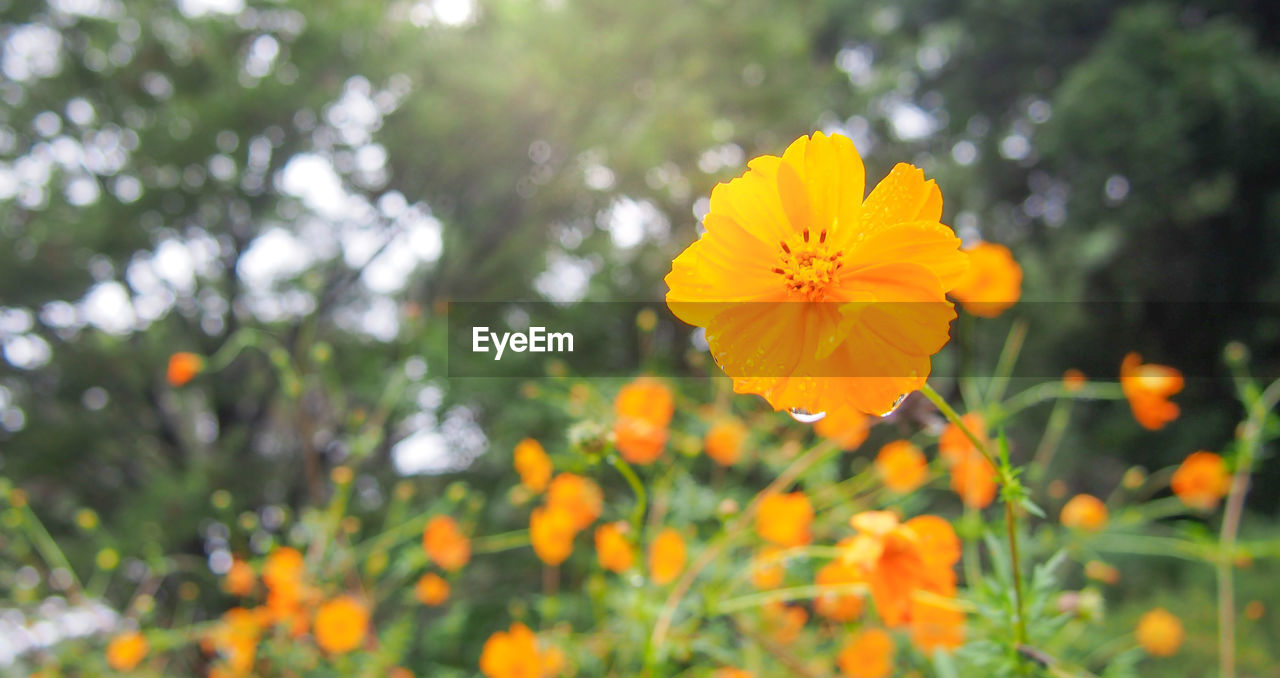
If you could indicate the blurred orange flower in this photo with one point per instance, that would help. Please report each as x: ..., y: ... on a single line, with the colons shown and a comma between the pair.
x: 445, y: 544
x: 533, y: 465
x: 868, y: 654
x: 844, y: 426
x: 1073, y: 380
x: 612, y: 548
x: 341, y: 625
x: 785, y: 622
x: 1160, y: 633
x: 579, y: 496
x: 1084, y: 512
x: 955, y: 446
x: 127, y: 650
x: 513, y: 654
x: 974, y: 479
x: 784, y: 519
x: 993, y: 283
x: 936, y: 623
x: 183, y: 367
x: 551, y: 531
x: 235, y: 638
x: 724, y: 441
x: 643, y: 408
x: 900, y: 558
x: 287, y: 592
x: 766, y: 570
x: 1100, y: 571
x: 1201, y: 481
x: 667, y: 555
x: 838, y: 606
x: 901, y: 466
x: 239, y: 579
x: 730, y: 672
x: 431, y: 589
x: 1148, y: 387
x: 871, y: 278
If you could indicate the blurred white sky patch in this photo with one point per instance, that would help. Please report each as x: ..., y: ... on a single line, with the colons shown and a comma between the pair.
x: 199, y: 8
x: 566, y: 278
x: 20, y: 349
x: 445, y: 12
x: 101, y: 9
x: 31, y: 52
x: 630, y: 221
x: 422, y: 453
x: 312, y: 179
x: 273, y: 256
x: 909, y: 121
x: 430, y: 450
x: 107, y: 307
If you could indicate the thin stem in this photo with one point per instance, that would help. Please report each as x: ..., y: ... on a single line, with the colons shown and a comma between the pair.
x: 1008, y: 358
x: 955, y: 418
x: 1056, y: 428
x: 637, y: 514
x: 1011, y: 526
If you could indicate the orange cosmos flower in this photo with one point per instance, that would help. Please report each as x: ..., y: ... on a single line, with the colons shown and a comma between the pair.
x: 838, y: 606
x: 183, y: 367
x: 612, y: 548
x: 666, y: 556
x: 812, y: 297
x: 844, y: 426
x: 512, y: 654
x: 767, y: 570
x: 730, y: 672
x: 127, y: 650
x: 239, y: 579
x: 551, y: 530
x: 1073, y: 380
x: 936, y: 622
x: 724, y: 441
x: 445, y: 544
x: 901, y: 466
x: 532, y: 464
x: 1100, y: 571
x: 1148, y: 388
x: 1201, y: 481
x: 341, y: 625
x: 1160, y: 633
x: 287, y: 592
x: 644, y: 408
x: 974, y: 479
x: 235, y: 638
x: 898, y: 559
x: 785, y: 622
x: 955, y: 446
x: 579, y: 496
x: 784, y: 519
x: 993, y: 283
x: 431, y: 589
x: 868, y: 654
x: 1084, y: 512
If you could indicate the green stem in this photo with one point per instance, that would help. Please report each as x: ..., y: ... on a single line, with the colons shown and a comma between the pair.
x: 1011, y: 527
x: 637, y: 513
x: 1008, y: 358
x: 955, y: 418
x: 1056, y: 428
x: 45, y: 544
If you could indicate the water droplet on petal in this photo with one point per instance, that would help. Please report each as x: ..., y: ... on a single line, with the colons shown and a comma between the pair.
x: 897, y: 402
x: 805, y: 416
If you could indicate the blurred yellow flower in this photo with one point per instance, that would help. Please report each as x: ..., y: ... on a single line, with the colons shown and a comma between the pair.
x: 784, y: 519
x: 666, y: 556
x: 431, y: 589
x: 901, y: 466
x: 183, y: 367
x: 341, y: 625
x: 533, y: 465
x: 1148, y: 387
x: 512, y: 654
x: 1160, y: 633
x: 579, y: 496
x: 551, y: 531
x: 867, y: 654
x: 127, y: 650
x: 730, y: 672
x: 644, y: 409
x: 871, y: 278
x: 974, y: 479
x: 1201, y: 481
x: 1084, y: 512
x: 993, y: 283
x: 445, y: 544
x: 612, y: 548
x: 723, y: 441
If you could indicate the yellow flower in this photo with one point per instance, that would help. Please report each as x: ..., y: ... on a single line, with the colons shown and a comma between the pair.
x: 784, y: 519
x: 1160, y: 633
x: 431, y: 589
x: 868, y: 654
x: 341, y: 625
x: 612, y: 548
x: 532, y: 464
x: 1201, y: 481
x: 127, y: 650
x: 994, y: 281
x: 813, y: 297
x: 723, y: 441
x: 445, y: 544
x: 666, y: 556
x: 901, y: 466
x: 1084, y: 512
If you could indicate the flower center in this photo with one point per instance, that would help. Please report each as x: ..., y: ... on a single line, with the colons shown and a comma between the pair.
x: 808, y: 265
